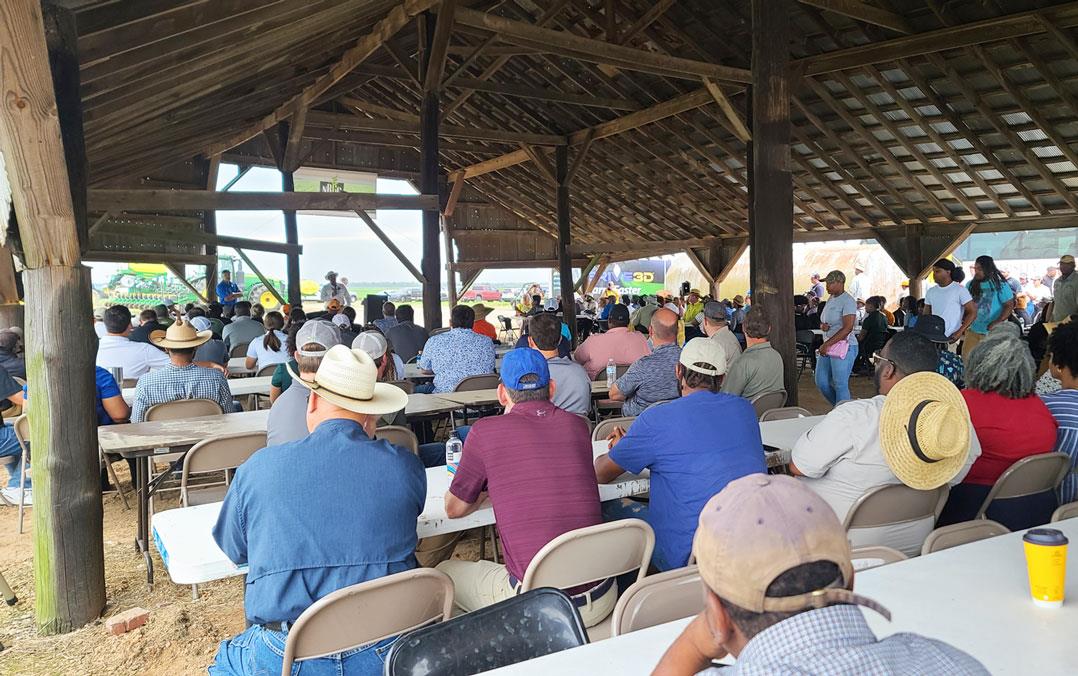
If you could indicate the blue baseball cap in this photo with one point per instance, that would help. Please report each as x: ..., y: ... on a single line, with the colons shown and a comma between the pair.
x: 522, y: 362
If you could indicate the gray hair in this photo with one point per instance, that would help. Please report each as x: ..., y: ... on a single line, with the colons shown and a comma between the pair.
x: 1001, y: 363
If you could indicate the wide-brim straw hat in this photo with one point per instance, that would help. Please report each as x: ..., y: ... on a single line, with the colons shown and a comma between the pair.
x: 925, y: 430
x: 481, y: 311
x: 349, y: 378
x: 180, y: 335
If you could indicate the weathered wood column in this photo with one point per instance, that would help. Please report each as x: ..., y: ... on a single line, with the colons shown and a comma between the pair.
x: 771, y: 190
x: 291, y: 236
x: 213, y: 168
x: 565, y: 259
x: 429, y: 120
x: 914, y: 259
x: 41, y: 138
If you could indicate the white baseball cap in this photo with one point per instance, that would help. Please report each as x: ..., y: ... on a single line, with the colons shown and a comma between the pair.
x: 371, y: 342
x: 317, y: 332
x: 704, y: 355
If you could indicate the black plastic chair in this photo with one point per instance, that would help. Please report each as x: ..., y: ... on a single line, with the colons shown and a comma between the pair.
x: 533, y: 624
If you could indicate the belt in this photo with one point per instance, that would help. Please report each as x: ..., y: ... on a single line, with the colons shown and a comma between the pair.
x: 582, y: 599
x: 276, y: 626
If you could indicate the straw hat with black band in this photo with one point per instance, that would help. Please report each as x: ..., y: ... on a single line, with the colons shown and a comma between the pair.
x: 925, y: 430
x: 349, y: 378
x: 180, y: 336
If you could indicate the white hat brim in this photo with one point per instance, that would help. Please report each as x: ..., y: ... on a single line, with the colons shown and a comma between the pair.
x: 386, y: 398
x: 200, y: 337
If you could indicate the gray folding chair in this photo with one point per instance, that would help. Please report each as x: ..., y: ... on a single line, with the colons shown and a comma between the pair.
x: 765, y: 401
x: 961, y: 533
x: 217, y: 454
x: 177, y: 410
x: 785, y: 413
x: 1029, y: 476
x: 22, y: 435
x: 238, y: 350
x: 1067, y: 511
x: 658, y: 599
x: 369, y: 612
x: 407, y: 385
x: 398, y: 436
x: 487, y: 381
x: 603, y: 429
x: 877, y: 555
x: 608, y: 405
x: 893, y: 504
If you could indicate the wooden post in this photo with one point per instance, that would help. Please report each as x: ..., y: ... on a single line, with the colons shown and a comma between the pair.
x: 40, y: 137
x: 771, y: 200
x: 450, y: 268
x: 291, y: 235
x: 565, y: 259
x: 213, y: 168
x: 429, y: 119
x: 914, y: 259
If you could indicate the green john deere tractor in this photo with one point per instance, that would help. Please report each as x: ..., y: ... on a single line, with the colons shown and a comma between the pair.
x: 144, y: 285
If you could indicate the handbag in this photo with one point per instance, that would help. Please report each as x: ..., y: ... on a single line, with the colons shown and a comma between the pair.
x: 840, y: 349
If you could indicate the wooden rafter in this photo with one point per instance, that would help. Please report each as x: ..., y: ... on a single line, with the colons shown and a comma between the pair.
x: 864, y: 12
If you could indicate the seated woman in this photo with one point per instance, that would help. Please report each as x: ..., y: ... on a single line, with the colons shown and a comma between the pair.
x: 270, y: 348
x: 1011, y: 423
x: 1063, y: 404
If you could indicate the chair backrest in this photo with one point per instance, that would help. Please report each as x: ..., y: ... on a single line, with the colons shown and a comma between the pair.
x: 223, y: 452
x: 785, y: 413
x: 962, y: 533
x: 182, y: 408
x: 604, y: 428
x: 239, y: 350
x: 589, y: 421
x: 487, y: 381
x: 398, y: 436
x: 507, y: 323
x: 524, y: 627
x: 22, y: 431
x: 1067, y: 511
x: 658, y: 599
x: 407, y: 385
x: 895, y: 503
x: 877, y: 555
x: 267, y: 370
x: 621, y: 369
x: 804, y: 337
x: 592, y: 554
x: 129, y: 382
x: 765, y: 401
x: 369, y: 612
x: 1029, y: 476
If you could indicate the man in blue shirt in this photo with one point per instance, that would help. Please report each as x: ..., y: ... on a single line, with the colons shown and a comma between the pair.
x: 652, y: 377
x: 457, y: 353
x: 693, y: 446
x: 228, y: 292
x: 359, y: 525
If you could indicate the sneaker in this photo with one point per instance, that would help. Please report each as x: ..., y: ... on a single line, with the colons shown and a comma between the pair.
x: 11, y: 495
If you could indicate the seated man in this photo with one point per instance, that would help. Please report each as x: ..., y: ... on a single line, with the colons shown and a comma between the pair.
x: 717, y: 328
x: 388, y: 320
x: 116, y: 349
x: 147, y: 324
x: 798, y: 613
x: 288, y: 414
x: 213, y: 351
x: 456, y: 354
x: 10, y: 451
x: 358, y: 525
x: 573, y: 385
x: 842, y: 457
x: 759, y: 369
x: 619, y: 343
x: 950, y: 365
x: 181, y: 378
x: 111, y: 408
x: 407, y: 338
x: 535, y: 463
x: 693, y: 446
x: 243, y: 328
x: 651, y: 378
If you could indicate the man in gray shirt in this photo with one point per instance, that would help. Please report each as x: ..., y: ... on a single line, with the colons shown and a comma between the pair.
x: 288, y: 415
x: 571, y: 389
x: 406, y: 338
x: 652, y: 378
x: 759, y: 368
x: 243, y: 329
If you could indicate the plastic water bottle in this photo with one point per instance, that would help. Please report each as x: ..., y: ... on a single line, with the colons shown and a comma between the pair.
x: 454, y: 449
x: 611, y: 372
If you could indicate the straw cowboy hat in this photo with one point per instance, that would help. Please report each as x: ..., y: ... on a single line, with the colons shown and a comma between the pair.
x: 180, y: 335
x: 481, y: 311
x: 349, y: 378
x: 924, y: 430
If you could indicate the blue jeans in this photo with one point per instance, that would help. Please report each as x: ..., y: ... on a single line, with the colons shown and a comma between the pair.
x: 433, y: 454
x: 11, y: 453
x: 424, y: 388
x: 625, y: 508
x: 261, y: 651
x: 833, y: 375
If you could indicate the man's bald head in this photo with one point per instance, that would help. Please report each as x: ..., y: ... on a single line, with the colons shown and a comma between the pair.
x: 663, y: 326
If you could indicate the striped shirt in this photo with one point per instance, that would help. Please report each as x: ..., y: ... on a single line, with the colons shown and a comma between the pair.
x: 650, y: 379
x: 1064, y: 407
x: 172, y: 383
x: 837, y: 640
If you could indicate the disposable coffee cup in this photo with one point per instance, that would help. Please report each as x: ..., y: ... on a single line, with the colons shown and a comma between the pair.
x: 1046, y: 563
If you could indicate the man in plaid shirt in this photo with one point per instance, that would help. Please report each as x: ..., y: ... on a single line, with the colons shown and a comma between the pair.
x: 181, y: 378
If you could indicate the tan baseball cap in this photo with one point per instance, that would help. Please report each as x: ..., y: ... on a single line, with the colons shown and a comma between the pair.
x: 704, y: 355
x: 1067, y: 258
x: 761, y: 526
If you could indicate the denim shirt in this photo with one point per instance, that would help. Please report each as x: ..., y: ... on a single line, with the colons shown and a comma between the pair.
x: 316, y: 515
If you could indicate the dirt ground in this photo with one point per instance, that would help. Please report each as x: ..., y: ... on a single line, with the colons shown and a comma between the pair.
x: 182, y: 634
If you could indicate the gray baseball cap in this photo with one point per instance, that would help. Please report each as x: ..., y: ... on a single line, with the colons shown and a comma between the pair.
x: 317, y: 332
x: 715, y: 311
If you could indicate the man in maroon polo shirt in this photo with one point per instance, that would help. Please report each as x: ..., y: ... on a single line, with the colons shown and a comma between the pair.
x: 535, y: 461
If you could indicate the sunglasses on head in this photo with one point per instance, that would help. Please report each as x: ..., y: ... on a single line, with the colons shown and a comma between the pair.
x: 876, y: 358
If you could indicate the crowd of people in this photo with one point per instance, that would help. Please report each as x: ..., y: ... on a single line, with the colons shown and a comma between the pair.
x: 958, y: 401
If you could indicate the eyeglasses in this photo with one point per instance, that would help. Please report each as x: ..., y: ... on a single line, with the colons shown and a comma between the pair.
x: 876, y: 358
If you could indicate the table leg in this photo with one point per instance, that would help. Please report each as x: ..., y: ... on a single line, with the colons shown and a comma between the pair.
x: 142, y: 539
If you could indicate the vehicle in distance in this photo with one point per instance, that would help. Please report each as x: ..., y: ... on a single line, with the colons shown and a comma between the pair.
x: 483, y: 292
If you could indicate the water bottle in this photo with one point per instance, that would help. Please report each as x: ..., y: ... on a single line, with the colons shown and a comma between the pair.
x: 611, y: 373
x: 454, y: 449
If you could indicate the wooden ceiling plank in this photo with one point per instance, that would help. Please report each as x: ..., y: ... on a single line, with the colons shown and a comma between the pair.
x: 860, y: 11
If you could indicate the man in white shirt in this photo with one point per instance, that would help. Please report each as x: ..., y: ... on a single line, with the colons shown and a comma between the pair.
x: 332, y: 290
x: 116, y: 350
x: 841, y: 458
x: 716, y: 328
x: 860, y: 285
x: 950, y: 299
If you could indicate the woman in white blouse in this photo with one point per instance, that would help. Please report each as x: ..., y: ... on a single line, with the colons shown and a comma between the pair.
x: 268, y: 350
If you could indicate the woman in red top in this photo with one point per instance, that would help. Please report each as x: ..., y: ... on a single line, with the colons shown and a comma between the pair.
x: 481, y: 325
x: 1011, y: 423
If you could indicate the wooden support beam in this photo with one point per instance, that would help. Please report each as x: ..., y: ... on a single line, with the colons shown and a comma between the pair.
x: 565, y: 264
x: 541, y: 162
x: 380, y: 33
x: 96, y: 225
x: 585, y: 273
x: 611, y: 17
x: 863, y: 12
x: 517, y: 91
x: 394, y: 249
x: 573, y: 46
x: 469, y: 278
x: 9, y: 287
x: 594, y: 279
x: 291, y: 236
x: 242, y: 171
x: 515, y: 263
x: 107, y: 199
x: 454, y: 197
x: 700, y: 266
x: 638, y: 247
x: 450, y: 258
x: 771, y: 187
x: 733, y: 120
x: 431, y: 264
x: 213, y: 170
x: 177, y: 270
x: 410, y: 125
x: 40, y: 138
x: 581, y: 155
x: 293, y: 142
x: 657, y: 9
x: 262, y: 278
x: 435, y: 67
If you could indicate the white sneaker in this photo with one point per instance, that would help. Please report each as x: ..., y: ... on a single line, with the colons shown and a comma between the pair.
x: 12, y: 496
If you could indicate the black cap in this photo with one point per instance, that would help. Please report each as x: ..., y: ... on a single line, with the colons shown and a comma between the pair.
x: 931, y: 327
x: 619, y: 313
